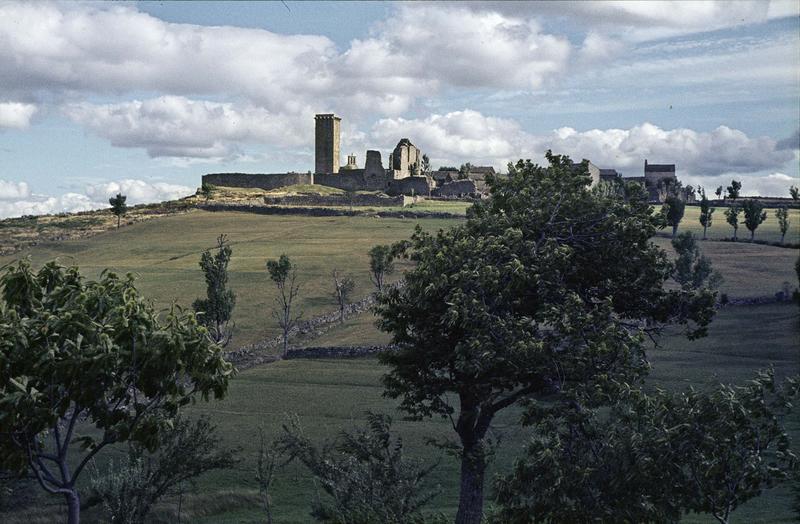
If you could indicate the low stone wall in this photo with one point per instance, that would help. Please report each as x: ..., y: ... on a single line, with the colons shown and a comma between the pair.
x: 323, y: 211
x: 336, y: 200
x: 457, y: 188
x: 412, y: 185
x: 338, y: 352
x: 266, y: 181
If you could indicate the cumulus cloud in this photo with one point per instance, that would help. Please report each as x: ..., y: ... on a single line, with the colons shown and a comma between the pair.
x: 138, y: 191
x: 10, y: 190
x: 16, y: 199
x: 640, y: 21
x: 468, y: 135
x: 773, y: 184
x: 174, y: 126
x: 16, y: 115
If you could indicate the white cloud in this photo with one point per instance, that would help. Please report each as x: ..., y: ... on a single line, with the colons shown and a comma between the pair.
x: 138, y: 191
x: 16, y: 199
x: 16, y: 114
x: 174, y: 126
x: 43, y: 205
x: 468, y: 135
x: 655, y: 19
x: 10, y: 190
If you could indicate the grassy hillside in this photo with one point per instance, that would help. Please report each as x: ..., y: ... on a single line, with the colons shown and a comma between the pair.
x: 331, y: 395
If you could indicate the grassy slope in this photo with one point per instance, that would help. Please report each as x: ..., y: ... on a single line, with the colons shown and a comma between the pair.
x: 331, y: 395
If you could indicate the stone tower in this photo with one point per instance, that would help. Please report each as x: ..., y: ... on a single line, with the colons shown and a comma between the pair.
x: 326, y: 143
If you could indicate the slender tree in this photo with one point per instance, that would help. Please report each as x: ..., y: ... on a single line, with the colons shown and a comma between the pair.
x: 381, y: 264
x: 794, y: 192
x: 528, y: 299
x: 426, y: 165
x: 732, y: 217
x: 782, y: 214
x: 718, y: 192
x: 118, y: 206
x: 207, y: 190
x: 734, y: 189
x: 672, y: 211
x: 706, y: 212
x: 216, y: 310
x: 343, y: 287
x: 87, y: 364
x: 266, y: 465
x: 284, y: 274
x: 754, y: 215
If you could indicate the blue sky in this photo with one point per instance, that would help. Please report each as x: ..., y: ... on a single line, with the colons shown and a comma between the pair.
x: 146, y: 97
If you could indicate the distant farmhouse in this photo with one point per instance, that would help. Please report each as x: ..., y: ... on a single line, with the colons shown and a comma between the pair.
x: 404, y: 174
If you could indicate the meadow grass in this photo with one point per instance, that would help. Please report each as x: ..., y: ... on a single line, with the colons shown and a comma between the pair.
x: 333, y: 395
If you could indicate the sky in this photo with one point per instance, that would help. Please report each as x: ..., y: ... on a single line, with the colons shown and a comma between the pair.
x: 143, y: 98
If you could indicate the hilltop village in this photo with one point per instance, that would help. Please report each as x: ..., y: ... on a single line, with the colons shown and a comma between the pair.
x: 407, y: 172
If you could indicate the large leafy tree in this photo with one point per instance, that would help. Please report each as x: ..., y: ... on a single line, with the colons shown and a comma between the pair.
x: 85, y: 364
x: 548, y: 289
x: 216, y: 310
x: 732, y: 217
x: 672, y: 212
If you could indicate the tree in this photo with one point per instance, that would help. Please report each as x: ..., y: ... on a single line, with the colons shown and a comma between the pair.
x: 782, y: 214
x: 528, y: 299
x: 754, y: 215
x: 381, y: 264
x: 794, y: 192
x: 426, y: 165
x: 654, y: 457
x: 463, y: 171
x: 706, y: 212
x: 364, y: 472
x: 732, y: 217
x: 118, y: 206
x: 718, y: 192
x: 91, y: 363
x: 734, y: 189
x: 284, y: 274
x: 672, y: 211
x: 692, y: 269
x: 343, y: 287
x: 216, y: 310
x: 130, y: 489
x: 265, y: 473
x: 207, y: 190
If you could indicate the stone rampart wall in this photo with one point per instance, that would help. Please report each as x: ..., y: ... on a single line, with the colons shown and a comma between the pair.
x: 456, y: 188
x: 358, y: 199
x: 416, y: 185
x: 258, y: 181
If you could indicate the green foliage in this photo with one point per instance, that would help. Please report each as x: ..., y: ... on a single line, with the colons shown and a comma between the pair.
x: 732, y: 217
x: 463, y: 171
x: 215, y: 311
x: 782, y: 214
x: 364, y: 473
x: 130, y: 489
x: 343, y: 287
x: 529, y: 298
x: 381, y: 264
x: 207, y: 190
x: 91, y: 351
x: 734, y: 189
x: 692, y: 270
x: 118, y: 206
x: 672, y: 210
x: 266, y: 464
x: 706, y: 212
x: 426, y: 165
x: 718, y: 192
x: 754, y: 215
x: 653, y: 457
x: 284, y: 274
x: 794, y: 192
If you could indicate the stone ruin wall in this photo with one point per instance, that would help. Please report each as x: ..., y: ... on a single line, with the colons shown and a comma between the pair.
x: 260, y: 181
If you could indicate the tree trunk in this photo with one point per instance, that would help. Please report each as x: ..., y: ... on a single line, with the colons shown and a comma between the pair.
x: 473, y: 469
x: 734, y: 234
x: 119, y: 217
x: 674, y: 230
x: 752, y: 235
x: 73, y: 507
x: 783, y: 235
x: 704, y: 232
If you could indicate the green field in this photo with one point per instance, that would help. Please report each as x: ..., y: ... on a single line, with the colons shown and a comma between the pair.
x: 331, y: 395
